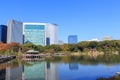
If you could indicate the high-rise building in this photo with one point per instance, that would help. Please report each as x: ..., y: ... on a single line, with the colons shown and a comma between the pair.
x: 15, y: 32
x: 72, y: 39
x: 34, y: 33
x: 3, y: 33
x: 51, y: 34
x: 40, y: 33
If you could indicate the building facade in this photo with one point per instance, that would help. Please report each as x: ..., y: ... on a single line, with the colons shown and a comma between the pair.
x: 34, y: 33
x: 40, y: 33
x: 72, y: 39
x: 3, y: 33
x: 51, y: 34
x: 15, y: 32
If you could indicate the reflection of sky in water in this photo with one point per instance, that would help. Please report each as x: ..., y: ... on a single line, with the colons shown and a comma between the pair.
x: 87, y: 72
x: 59, y: 71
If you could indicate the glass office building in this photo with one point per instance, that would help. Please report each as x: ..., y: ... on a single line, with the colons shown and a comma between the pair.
x: 40, y: 33
x: 34, y: 33
x: 3, y: 33
x: 15, y: 32
x: 72, y: 39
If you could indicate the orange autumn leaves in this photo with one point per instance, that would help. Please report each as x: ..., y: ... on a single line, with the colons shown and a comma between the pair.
x: 5, y: 47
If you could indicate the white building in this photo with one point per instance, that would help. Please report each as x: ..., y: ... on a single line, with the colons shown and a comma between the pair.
x: 15, y: 32
x: 36, y: 33
x: 51, y: 34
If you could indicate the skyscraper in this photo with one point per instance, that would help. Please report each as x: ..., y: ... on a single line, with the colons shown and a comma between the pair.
x: 3, y: 33
x: 40, y: 33
x: 51, y: 34
x: 34, y: 33
x: 15, y: 32
x: 72, y: 39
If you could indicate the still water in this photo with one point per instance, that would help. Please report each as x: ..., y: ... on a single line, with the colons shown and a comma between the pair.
x: 43, y: 70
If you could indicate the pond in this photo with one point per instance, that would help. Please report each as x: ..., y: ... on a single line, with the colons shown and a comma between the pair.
x: 60, y: 70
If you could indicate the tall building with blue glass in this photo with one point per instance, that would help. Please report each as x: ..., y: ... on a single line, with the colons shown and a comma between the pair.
x: 3, y: 33
x: 72, y: 39
x: 34, y: 33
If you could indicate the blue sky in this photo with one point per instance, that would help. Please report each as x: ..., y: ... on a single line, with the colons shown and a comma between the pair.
x: 86, y: 18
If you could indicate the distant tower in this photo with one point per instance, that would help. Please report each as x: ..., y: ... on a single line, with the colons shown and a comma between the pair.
x: 15, y: 32
x: 3, y: 33
x: 72, y: 39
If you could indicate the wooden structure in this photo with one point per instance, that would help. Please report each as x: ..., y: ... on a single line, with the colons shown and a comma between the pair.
x: 33, y: 55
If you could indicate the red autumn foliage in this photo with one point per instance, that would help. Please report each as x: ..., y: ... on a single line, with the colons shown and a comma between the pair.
x: 4, y: 47
x: 13, y: 45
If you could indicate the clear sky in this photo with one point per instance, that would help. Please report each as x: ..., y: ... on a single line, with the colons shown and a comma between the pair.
x: 86, y: 18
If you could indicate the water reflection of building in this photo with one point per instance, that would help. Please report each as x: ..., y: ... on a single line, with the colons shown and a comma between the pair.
x: 14, y: 73
x: 35, y: 71
x: 51, y: 71
x: 72, y: 39
x: 32, y: 71
x: 2, y: 74
x: 73, y: 66
x: 41, y: 71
